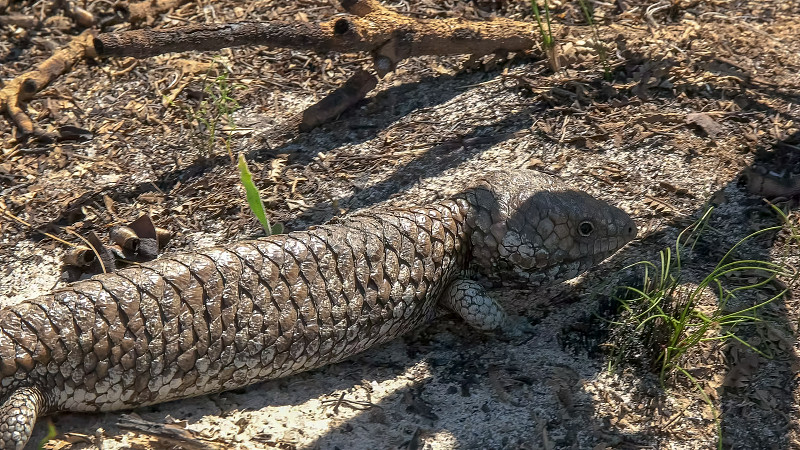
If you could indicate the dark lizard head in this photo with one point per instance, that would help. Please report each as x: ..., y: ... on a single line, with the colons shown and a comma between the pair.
x: 532, y: 228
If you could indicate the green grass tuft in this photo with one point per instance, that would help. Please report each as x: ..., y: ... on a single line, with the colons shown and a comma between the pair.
x: 661, y: 322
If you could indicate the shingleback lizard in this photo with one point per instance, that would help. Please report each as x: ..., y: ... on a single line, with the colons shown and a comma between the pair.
x: 224, y: 317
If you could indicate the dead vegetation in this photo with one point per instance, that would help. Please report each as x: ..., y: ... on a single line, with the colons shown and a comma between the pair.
x: 702, y: 107
x: 388, y: 36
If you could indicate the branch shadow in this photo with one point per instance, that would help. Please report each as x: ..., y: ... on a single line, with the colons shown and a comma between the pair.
x: 352, y: 127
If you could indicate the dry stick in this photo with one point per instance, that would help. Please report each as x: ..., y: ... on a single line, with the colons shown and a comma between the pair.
x: 389, y: 36
x: 146, y: 43
x: 335, y: 103
x: 23, y: 87
x: 27, y: 224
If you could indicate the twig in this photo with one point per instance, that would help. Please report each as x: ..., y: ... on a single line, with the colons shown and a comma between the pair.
x: 172, y: 434
x: 23, y: 87
x: 390, y: 36
x: 652, y: 10
x: 27, y: 224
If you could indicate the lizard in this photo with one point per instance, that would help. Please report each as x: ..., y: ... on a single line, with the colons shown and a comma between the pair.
x: 220, y: 318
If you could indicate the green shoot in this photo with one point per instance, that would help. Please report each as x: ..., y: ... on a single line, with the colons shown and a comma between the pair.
x: 254, y: 199
x: 548, y: 42
x: 598, y: 45
x: 547, y: 36
x: 51, y: 434
x: 668, y: 315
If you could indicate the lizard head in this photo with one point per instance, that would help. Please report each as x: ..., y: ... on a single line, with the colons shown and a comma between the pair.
x: 532, y: 228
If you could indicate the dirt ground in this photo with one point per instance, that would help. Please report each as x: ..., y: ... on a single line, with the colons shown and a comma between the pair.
x: 699, y: 95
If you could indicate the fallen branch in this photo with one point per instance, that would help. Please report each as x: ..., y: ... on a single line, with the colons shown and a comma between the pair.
x: 23, y: 87
x: 391, y: 37
x: 335, y: 103
x: 147, y: 43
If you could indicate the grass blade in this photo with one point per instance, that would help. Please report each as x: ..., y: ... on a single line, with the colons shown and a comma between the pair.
x: 253, y: 197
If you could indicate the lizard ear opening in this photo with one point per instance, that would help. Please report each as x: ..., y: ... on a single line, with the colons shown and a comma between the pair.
x: 585, y: 228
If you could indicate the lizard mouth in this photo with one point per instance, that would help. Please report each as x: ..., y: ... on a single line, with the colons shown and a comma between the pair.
x: 522, y: 274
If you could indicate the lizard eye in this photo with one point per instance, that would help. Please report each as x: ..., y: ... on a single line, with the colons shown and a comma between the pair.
x: 585, y: 228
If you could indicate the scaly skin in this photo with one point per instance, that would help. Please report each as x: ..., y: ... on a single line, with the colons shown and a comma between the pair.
x: 225, y: 317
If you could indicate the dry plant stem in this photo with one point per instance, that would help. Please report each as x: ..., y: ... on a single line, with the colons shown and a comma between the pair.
x: 3, y: 211
x: 391, y: 37
x: 23, y: 87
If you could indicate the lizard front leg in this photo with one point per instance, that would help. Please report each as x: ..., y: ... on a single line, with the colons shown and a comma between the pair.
x: 471, y: 302
x: 18, y: 415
